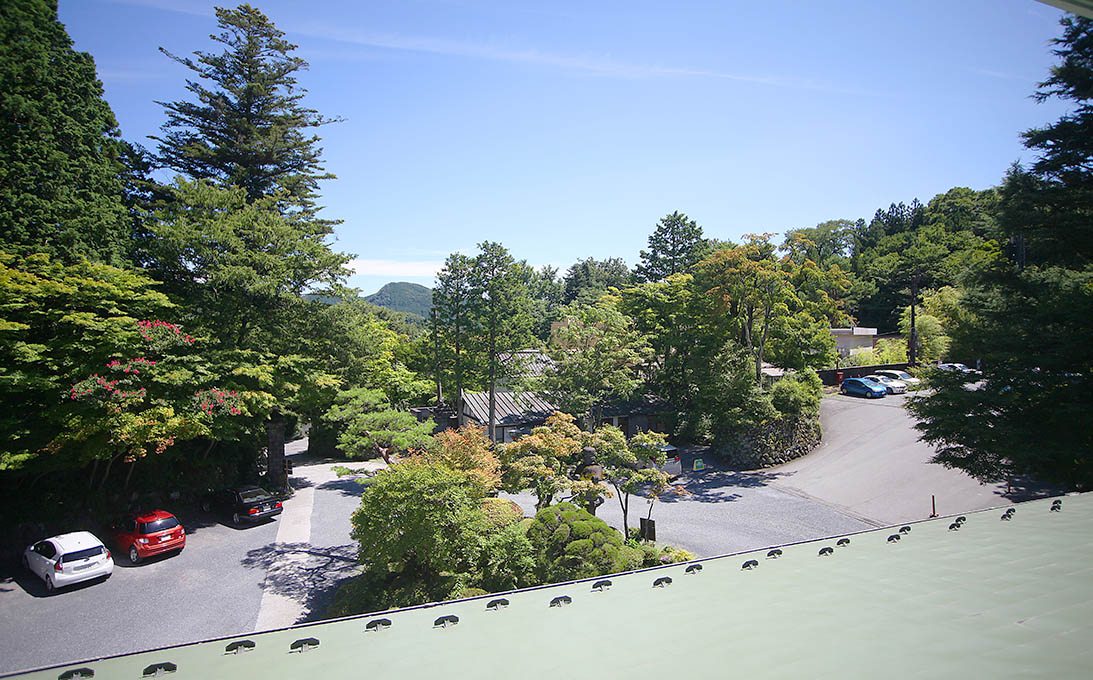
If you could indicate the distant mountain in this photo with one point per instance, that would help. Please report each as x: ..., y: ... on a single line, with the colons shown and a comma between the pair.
x: 401, y: 296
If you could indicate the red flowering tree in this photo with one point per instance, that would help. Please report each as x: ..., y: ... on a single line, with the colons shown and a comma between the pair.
x: 141, y: 405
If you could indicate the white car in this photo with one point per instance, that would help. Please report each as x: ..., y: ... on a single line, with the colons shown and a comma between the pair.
x: 893, y: 386
x: 69, y: 558
x: 672, y: 466
x: 902, y: 376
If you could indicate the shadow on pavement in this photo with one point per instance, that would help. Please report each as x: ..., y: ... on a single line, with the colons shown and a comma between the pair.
x: 1027, y: 489
x: 347, y: 486
x: 13, y: 574
x: 715, y: 483
x: 304, y: 573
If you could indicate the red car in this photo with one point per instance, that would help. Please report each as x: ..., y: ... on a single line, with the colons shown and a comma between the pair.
x: 144, y: 534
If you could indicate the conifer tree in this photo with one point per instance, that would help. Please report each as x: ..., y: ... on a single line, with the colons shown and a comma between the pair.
x: 674, y: 247
x: 248, y: 127
x: 60, y: 191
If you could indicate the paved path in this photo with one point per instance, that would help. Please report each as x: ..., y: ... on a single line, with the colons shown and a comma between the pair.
x: 871, y: 464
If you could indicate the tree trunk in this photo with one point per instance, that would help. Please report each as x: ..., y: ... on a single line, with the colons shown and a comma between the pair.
x: 129, y: 473
x: 624, y: 503
x: 106, y: 473
x: 384, y: 451
x: 912, y: 354
x: 436, y: 357
x: 275, y: 452
x: 493, y: 386
x: 458, y: 376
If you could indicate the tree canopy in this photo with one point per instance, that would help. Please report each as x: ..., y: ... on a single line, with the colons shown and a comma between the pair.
x: 60, y: 175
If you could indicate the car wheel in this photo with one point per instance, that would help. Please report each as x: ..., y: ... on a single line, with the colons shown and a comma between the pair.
x: 235, y: 519
x: 49, y: 584
x: 134, y: 555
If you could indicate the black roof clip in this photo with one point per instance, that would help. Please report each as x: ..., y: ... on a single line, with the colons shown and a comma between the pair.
x: 893, y: 538
x: 662, y: 582
x: 239, y: 646
x: 377, y: 625
x: 303, y: 645
x: 693, y: 569
x: 774, y: 554
x: 750, y: 564
x: 843, y: 542
x: 824, y: 552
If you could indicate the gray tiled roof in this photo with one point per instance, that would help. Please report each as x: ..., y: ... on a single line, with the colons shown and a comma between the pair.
x: 513, y: 408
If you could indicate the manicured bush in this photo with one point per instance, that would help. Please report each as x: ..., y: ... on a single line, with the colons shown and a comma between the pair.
x: 501, y: 513
x: 569, y: 543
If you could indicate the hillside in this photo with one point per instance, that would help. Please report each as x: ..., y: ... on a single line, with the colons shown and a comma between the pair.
x: 401, y: 296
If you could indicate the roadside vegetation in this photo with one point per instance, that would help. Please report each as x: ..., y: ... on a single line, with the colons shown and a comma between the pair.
x: 166, y: 336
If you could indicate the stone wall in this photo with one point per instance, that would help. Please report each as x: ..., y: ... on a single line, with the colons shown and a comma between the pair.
x: 771, y: 443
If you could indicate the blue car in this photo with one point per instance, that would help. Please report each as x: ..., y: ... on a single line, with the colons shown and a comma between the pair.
x: 863, y: 387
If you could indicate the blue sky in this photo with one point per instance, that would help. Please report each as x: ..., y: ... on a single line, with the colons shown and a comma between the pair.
x: 567, y: 129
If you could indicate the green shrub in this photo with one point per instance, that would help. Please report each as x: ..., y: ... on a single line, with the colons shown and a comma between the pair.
x: 507, y: 560
x: 501, y: 513
x: 568, y: 543
x: 798, y: 394
x: 653, y: 556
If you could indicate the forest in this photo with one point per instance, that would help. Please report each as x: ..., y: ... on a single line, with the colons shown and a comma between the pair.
x: 168, y: 336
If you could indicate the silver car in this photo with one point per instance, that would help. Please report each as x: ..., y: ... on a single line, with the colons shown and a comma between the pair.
x: 890, y: 385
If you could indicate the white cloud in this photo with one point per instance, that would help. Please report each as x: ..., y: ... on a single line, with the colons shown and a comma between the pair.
x: 363, y: 267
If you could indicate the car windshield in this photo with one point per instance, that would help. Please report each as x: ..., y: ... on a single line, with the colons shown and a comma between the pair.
x: 158, y: 525
x: 82, y: 554
x: 251, y: 495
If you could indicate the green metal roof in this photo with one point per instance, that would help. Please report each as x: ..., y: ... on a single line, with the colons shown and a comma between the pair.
x: 991, y: 599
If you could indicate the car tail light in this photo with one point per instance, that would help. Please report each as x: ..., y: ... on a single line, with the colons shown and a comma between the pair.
x: 107, y: 554
x: 252, y: 511
x: 277, y: 504
x: 58, y: 566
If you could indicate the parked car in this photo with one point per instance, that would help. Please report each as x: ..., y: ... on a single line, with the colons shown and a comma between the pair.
x: 902, y: 376
x: 863, y: 387
x: 892, y: 386
x: 69, y: 558
x: 958, y: 367
x: 144, y: 534
x: 672, y: 466
x: 243, y: 504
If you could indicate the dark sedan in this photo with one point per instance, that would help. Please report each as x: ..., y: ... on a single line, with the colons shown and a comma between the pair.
x: 243, y: 504
x: 863, y: 387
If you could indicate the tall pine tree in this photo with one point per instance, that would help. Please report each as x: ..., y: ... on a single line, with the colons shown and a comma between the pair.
x: 674, y: 247
x: 248, y: 135
x: 60, y: 191
x: 247, y: 126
